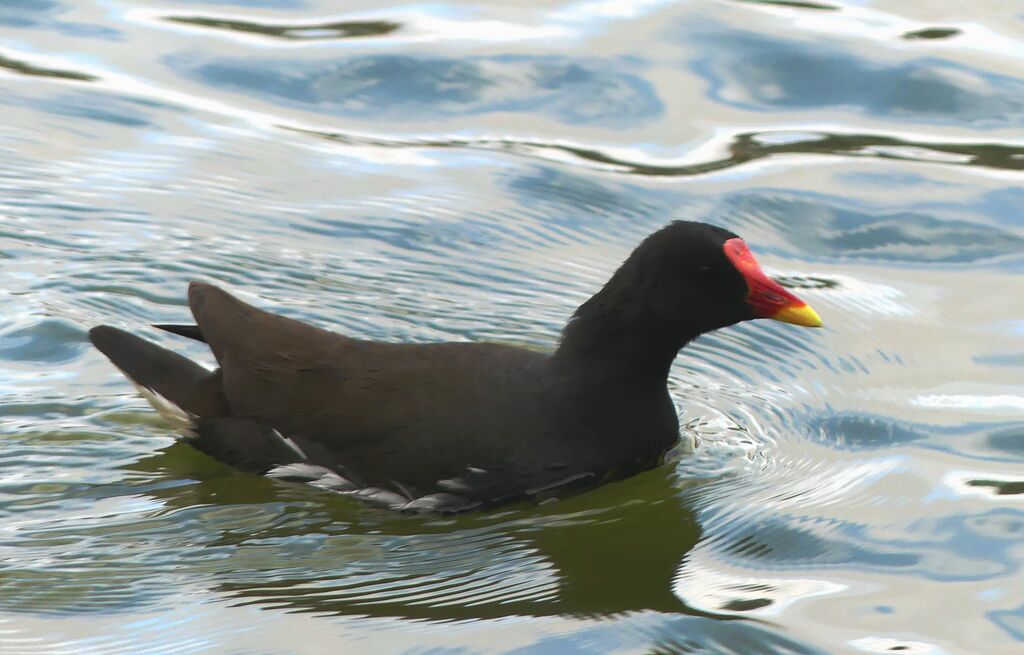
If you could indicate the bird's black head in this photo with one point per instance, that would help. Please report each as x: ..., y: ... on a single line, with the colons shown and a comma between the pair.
x: 682, y: 281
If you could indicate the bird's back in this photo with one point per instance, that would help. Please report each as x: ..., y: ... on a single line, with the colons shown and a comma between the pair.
x: 413, y: 413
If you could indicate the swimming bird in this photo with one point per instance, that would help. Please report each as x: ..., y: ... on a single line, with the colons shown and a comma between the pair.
x: 447, y: 427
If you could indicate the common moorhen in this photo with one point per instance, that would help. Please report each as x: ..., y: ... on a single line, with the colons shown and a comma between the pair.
x: 457, y: 426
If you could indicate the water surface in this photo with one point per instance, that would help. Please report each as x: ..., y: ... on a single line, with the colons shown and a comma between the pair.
x: 461, y: 171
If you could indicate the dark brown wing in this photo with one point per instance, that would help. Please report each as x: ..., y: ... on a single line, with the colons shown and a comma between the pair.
x: 409, y: 412
x: 266, y: 359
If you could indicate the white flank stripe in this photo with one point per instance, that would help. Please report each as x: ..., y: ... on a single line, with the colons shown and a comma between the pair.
x: 291, y: 444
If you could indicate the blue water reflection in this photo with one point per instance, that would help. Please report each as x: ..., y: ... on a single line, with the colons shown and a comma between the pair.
x: 815, y: 223
x: 26, y: 13
x: 406, y: 88
x: 762, y: 73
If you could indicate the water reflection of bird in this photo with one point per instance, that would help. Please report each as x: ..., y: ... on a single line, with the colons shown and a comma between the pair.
x: 456, y: 426
x: 611, y: 551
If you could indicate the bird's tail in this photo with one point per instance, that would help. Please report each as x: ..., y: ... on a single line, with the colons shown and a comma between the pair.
x: 180, y: 389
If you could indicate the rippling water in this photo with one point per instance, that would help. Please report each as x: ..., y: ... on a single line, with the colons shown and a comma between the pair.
x: 461, y: 171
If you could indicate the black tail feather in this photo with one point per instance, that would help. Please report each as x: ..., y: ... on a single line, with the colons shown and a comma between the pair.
x: 206, y: 420
x: 190, y: 331
x: 178, y: 379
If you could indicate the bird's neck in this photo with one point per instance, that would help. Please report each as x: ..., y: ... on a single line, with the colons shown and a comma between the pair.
x: 612, y: 338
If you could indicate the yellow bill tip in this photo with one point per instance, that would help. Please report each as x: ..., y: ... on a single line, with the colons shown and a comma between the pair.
x: 798, y: 315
